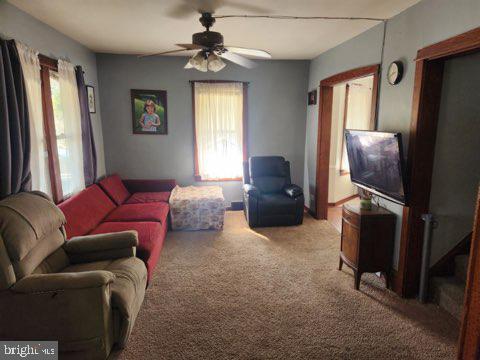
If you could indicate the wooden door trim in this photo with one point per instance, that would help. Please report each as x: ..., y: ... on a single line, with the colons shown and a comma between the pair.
x: 465, y: 42
x: 325, y: 125
x: 323, y: 151
x: 469, y: 340
x: 421, y: 149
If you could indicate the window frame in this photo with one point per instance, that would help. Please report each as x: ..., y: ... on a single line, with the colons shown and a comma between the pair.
x: 48, y: 64
x: 196, y: 172
x: 345, y: 115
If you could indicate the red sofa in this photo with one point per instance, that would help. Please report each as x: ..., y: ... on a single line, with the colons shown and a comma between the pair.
x: 114, y: 205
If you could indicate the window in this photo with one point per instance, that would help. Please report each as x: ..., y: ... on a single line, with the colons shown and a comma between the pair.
x: 219, y: 129
x: 61, y: 111
x: 66, y: 175
x: 357, y: 112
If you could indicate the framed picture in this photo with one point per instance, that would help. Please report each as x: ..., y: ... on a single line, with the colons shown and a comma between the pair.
x: 91, y: 99
x: 312, y: 97
x: 149, y: 112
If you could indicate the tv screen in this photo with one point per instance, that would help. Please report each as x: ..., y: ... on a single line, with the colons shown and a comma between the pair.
x: 375, y: 160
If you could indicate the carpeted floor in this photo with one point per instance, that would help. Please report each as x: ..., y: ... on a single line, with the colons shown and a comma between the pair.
x: 276, y: 293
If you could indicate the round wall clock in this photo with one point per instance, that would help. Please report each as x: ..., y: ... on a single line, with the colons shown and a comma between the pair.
x: 395, y: 72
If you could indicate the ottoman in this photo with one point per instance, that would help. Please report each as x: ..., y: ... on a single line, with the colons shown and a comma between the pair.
x: 197, y: 208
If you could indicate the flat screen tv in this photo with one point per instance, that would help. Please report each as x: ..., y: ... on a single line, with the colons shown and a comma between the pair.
x: 376, y: 163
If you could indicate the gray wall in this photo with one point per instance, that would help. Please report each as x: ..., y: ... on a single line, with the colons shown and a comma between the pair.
x: 423, y: 24
x: 456, y: 170
x: 276, y: 104
x: 18, y: 25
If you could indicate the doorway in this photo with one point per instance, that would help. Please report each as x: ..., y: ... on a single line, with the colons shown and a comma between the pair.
x: 351, y: 109
x: 347, y: 101
x: 427, y: 94
x: 455, y: 179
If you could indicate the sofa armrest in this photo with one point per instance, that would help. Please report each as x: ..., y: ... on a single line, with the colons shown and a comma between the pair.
x: 251, y: 190
x: 90, y: 248
x: 138, y: 185
x: 63, y: 281
x: 293, y: 191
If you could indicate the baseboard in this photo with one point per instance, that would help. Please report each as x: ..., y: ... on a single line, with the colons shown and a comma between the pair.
x: 340, y: 202
x: 309, y: 211
x: 446, y: 265
x: 236, y: 206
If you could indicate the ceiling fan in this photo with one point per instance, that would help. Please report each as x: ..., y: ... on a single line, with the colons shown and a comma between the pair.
x: 212, y: 51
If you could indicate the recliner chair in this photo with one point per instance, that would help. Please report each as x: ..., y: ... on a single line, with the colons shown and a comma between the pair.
x: 269, y: 197
x: 84, y: 293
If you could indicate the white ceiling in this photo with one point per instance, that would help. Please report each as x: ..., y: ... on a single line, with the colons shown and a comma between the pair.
x: 146, y: 26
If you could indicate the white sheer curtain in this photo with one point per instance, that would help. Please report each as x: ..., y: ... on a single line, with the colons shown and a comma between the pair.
x: 33, y: 84
x: 359, y: 112
x: 69, y: 131
x: 219, y: 129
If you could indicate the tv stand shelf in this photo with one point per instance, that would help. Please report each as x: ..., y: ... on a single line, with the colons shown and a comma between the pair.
x: 367, y: 240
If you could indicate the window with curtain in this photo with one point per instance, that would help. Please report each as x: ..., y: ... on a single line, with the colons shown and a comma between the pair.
x: 62, y: 127
x: 38, y: 148
x: 357, y: 112
x: 68, y: 128
x: 58, y: 121
x: 219, y: 121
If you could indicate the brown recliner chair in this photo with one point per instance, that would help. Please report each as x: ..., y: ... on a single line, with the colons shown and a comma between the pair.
x: 84, y: 293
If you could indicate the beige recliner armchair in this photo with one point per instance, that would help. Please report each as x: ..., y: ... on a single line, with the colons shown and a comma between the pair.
x: 85, y: 293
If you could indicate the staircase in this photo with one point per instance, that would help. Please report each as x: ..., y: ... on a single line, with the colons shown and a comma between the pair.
x: 448, y: 291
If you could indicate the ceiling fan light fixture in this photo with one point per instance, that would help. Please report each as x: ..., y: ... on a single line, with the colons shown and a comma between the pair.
x: 203, y: 66
x: 198, y: 61
x: 215, y: 63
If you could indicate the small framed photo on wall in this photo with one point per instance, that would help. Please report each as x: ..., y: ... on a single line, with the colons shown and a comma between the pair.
x: 312, y: 97
x: 149, y: 112
x: 91, y: 99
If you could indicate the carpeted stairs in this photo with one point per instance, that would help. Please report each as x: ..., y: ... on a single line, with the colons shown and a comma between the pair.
x: 448, y: 292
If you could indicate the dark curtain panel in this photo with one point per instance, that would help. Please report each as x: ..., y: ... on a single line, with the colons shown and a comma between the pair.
x: 15, y: 173
x: 89, y: 153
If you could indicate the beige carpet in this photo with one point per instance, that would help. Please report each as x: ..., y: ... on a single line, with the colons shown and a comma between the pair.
x: 276, y: 293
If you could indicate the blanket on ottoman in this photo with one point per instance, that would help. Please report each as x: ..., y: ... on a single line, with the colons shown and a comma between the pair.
x: 197, y: 208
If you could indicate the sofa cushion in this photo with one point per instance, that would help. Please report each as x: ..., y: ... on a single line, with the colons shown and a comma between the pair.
x: 148, y: 197
x: 85, y: 210
x: 260, y: 166
x: 276, y: 204
x: 114, y: 188
x: 140, y: 212
x: 270, y: 184
x: 25, y: 219
x: 150, y: 239
x: 269, y: 174
x: 128, y: 288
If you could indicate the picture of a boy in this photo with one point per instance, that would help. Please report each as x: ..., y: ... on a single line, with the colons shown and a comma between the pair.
x: 149, y: 120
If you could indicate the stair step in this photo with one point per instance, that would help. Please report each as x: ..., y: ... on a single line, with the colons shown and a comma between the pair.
x: 461, y: 266
x: 448, y: 294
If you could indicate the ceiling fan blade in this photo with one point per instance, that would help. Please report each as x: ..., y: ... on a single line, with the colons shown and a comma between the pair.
x: 247, y: 7
x: 191, y: 7
x: 162, y: 53
x: 191, y: 46
x: 181, y: 11
x: 249, y: 52
x: 239, y: 60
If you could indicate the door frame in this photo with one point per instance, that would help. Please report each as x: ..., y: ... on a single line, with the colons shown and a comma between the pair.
x: 427, y: 90
x: 469, y: 340
x: 325, y: 126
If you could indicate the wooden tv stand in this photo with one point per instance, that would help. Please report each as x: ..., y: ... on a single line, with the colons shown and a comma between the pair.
x: 367, y: 240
